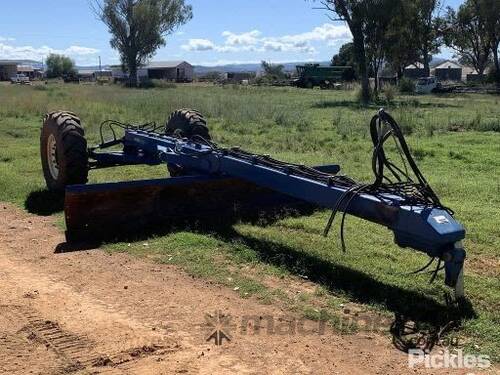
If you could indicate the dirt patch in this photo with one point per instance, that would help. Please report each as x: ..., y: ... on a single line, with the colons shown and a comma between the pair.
x: 92, y: 312
x: 484, y: 265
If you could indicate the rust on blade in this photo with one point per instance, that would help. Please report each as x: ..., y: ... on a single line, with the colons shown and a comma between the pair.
x: 106, y: 211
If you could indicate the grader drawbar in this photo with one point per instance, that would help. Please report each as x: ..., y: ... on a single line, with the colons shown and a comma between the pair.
x: 214, y: 182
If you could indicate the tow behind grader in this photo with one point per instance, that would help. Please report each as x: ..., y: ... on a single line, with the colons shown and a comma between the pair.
x: 216, y: 181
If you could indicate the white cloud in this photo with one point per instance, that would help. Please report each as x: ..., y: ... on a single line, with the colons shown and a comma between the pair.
x: 325, y: 32
x: 199, y: 45
x: 79, y: 51
x: 254, y: 41
x: 250, y: 38
x: 8, y: 51
x: 6, y: 39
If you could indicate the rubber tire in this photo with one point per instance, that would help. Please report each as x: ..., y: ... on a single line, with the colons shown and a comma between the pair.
x: 185, y: 123
x: 71, y: 150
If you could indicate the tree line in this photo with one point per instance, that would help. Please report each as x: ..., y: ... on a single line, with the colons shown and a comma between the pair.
x: 394, y: 33
x: 401, y: 32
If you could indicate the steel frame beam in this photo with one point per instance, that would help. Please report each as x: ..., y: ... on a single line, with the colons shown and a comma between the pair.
x: 430, y: 230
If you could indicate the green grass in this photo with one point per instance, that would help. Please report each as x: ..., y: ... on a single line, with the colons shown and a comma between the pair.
x: 455, y: 139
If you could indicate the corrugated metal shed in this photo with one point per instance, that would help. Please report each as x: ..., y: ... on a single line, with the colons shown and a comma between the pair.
x: 179, y: 71
x: 414, y: 71
x: 25, y: 69
x: 164, y: 64
x: 417, y: 65
x: 8, y: 62
x: 448, y: 71
x: 448, y: 64
x: 8, y: 68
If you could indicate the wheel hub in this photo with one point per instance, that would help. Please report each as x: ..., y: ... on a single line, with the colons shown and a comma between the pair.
x: 52, y: 157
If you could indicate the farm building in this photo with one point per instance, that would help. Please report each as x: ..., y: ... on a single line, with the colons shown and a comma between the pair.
x: 414, y: 71
x: 448, y: 71
x: 8, y: 69
x: 470, y: 74
x: 178, y: 71
x: 86, y: 75
x: 29, y: 71
x: 238, y: 77
x: 91, y: 75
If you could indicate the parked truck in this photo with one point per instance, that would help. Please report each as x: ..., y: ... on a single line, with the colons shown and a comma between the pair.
x: 428, y: 85
x: 313, y: 75
x: 20, y: 79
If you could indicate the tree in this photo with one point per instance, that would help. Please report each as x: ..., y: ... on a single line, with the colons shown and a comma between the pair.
x: 355, y: 13
x: 274, y: 71
x: 401, y: 47
x: 426, y: 30
x: 139, y: 27
x: 465, y: 32
x: 59, y: 65
x: 490, y: 12
x: 345, y: 57
x: 376, y: 36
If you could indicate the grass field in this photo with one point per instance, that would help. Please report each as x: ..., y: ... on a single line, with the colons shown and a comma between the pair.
x: 455, y: 139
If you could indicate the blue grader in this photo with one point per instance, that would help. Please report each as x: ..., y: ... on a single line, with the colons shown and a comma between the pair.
x: 206, y: 179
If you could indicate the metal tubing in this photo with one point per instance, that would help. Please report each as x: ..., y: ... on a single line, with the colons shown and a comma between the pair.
x: 430, y: 230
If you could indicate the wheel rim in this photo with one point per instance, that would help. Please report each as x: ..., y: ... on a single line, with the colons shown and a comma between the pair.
x: 52, y: 157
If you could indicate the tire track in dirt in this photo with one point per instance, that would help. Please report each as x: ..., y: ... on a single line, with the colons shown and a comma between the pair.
x: 126, y: 339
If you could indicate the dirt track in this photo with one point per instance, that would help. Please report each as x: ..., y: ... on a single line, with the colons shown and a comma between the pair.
x: 90, y: 312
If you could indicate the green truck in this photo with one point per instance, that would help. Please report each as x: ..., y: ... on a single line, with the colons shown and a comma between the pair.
x: 312, y: 75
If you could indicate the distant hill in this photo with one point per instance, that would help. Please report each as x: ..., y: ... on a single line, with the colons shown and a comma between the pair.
x: 231, y: 68
x: 290, y: 66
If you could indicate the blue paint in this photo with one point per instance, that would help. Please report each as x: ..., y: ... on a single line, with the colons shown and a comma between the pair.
x: 430, y: 230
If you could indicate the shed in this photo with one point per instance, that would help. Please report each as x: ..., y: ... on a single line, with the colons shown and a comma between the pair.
x: 119, y: 75
x: 27, y: 70
x: 238, y: 77
x: 414, y: 71
x: 448, y: 71
x: 470, y: 74
x: 8, y: 69
x: 87, y: 75
x: 179, y: 71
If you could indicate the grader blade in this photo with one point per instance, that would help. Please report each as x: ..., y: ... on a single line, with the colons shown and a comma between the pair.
x: 111, y: 210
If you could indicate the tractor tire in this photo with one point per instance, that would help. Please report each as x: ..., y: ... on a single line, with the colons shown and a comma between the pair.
x: 185, y: 123
x: 63, y: 150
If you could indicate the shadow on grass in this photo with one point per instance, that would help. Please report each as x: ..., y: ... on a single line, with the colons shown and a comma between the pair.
x: 360, y: 286
x: 154, y: 226
x: 425, y: 312
x: 44, y: 202
x: 430, y: 318
x: 419, y: 321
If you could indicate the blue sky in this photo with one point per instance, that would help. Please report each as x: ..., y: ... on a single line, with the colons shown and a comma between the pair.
x: 221, y: 31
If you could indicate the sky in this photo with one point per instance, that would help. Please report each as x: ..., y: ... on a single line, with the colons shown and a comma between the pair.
x: 221, y: 32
